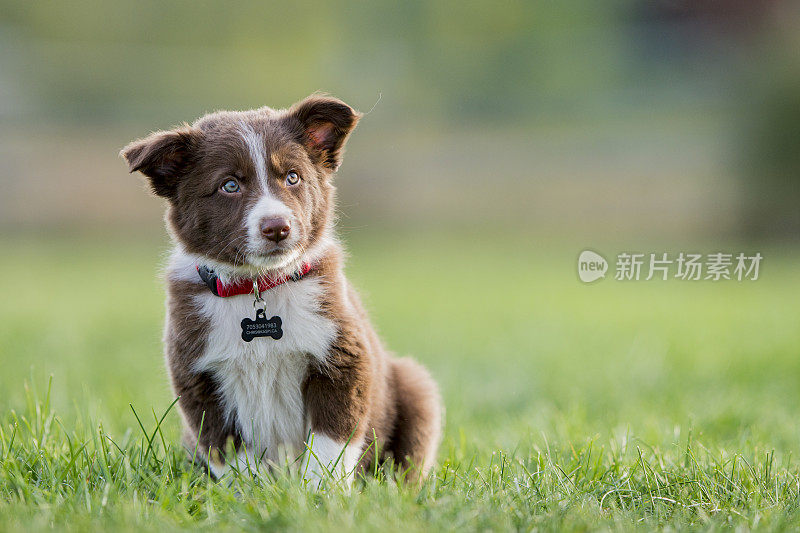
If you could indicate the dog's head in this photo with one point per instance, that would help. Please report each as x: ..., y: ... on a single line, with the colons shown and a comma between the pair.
x: 249, y: 190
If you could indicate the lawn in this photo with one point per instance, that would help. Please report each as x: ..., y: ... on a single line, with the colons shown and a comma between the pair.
x: 615, y: 405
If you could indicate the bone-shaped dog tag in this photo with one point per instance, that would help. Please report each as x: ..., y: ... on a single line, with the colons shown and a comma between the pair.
x: 261, y: 327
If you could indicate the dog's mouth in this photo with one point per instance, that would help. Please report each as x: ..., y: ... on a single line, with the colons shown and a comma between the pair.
x: 276, y: 257
x: 266, y: 249
x: 275, y: 252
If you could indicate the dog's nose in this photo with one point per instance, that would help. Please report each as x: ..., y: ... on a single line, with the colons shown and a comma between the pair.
x: 275, y: 229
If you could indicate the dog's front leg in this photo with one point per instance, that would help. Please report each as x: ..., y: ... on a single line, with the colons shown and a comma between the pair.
x: 206, y: 432
x: 336, y: 399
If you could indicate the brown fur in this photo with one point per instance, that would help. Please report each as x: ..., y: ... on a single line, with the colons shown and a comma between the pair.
x: 359, y: 390
x: 185, y: 340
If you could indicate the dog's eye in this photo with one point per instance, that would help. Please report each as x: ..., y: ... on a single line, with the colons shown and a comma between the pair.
x: 292, y: 177
x: 230, y: 187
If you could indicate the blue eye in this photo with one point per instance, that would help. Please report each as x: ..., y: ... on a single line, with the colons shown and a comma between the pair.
x: 230, y: 187
x: 292, y: 178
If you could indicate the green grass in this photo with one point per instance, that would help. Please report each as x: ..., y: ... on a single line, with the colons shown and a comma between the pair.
x: 610, y: 406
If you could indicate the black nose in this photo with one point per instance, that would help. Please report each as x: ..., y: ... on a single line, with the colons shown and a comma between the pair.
x: 275, y: 229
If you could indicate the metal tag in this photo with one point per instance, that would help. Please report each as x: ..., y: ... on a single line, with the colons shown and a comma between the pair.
x: 261, y: 327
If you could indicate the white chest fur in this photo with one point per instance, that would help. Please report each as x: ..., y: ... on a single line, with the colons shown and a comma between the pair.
x: 261, y: 381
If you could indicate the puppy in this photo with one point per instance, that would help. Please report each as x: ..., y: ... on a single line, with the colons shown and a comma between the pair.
x: 267, y: 344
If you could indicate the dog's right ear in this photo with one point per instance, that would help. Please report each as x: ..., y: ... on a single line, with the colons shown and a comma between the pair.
x: 163, y: 157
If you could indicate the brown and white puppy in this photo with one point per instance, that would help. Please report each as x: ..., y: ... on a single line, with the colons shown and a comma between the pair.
x: 250, y: 195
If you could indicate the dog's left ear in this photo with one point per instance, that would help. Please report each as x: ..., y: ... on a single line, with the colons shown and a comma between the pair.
x: 326, y: 123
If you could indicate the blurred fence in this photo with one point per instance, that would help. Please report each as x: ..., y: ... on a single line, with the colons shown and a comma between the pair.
x: 656, y: 118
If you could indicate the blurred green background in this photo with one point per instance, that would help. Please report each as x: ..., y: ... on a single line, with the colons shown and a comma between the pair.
x: 500, y: 140
x: 581, y: 119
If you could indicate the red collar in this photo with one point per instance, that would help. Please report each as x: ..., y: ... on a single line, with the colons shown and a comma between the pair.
x: 245, y: 286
